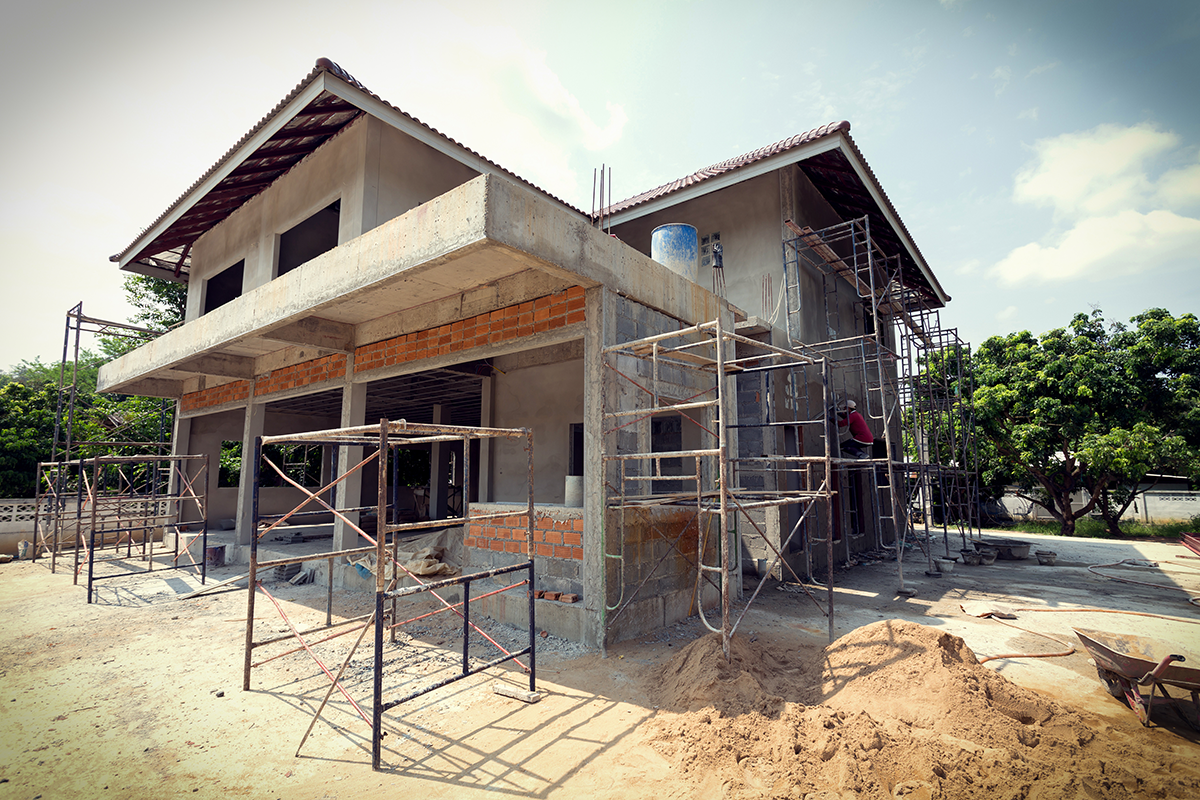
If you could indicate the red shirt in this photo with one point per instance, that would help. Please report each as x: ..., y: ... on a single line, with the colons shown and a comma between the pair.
x: 859, y: 431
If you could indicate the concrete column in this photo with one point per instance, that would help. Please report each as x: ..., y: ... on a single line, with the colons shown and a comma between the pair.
x: 256, y: 414
x: 485, y: 445
x: 598, y: 332
x: 439, y: 467
x: 349, y: 491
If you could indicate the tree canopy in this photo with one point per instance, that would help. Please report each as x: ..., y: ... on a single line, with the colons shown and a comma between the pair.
x: 29, y: 395
x: 1092, y: 407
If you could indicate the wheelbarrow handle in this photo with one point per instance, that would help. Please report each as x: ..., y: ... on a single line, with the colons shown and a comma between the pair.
x: 1153, y: 674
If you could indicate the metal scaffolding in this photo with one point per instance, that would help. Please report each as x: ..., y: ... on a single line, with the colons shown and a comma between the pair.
x: 690, y: 376
x: 118, y: 508
x: 886, y: 346
x: 393, y: 580
x: 772, y: 475
x: 93, y: 497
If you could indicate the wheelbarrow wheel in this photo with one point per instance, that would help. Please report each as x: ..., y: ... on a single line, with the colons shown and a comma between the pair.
x: 1112, y: 681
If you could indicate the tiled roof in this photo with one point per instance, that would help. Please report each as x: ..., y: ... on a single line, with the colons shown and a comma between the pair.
x: 311, y: 127
x: 833, y: 176
x: 729, y: 165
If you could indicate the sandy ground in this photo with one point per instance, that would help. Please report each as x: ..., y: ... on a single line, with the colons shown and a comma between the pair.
x: 139, y: 695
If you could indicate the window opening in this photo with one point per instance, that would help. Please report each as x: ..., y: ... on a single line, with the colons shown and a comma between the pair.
x: 316, y: 235
x: 224, y: 286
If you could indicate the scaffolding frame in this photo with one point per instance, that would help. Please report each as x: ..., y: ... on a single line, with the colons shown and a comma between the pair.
x: 55, y: 490
x: 96, y: 506
x: 388, y: 437
x: 880, y: 351
x: 877, y: 335
x: 692, y: 370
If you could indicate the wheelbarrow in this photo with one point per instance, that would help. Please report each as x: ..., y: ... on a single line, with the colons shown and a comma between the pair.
x: 1125, y: 662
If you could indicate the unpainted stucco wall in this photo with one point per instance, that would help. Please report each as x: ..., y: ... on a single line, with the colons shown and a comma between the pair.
x: 333, y: 172
x: 546, y: 398
x: 406, y: 172
x: 749, y: 216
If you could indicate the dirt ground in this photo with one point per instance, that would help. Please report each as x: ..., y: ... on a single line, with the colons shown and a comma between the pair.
x: 139, y: 695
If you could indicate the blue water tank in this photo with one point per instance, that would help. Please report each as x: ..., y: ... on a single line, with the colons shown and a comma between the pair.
x: 677, y: 247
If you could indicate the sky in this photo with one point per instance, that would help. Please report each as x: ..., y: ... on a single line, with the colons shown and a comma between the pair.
x: 1045, y: 156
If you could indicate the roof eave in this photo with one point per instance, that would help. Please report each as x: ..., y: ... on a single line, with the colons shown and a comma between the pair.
x: 854, y: 156
x: 725, y: 180
x: 318, y: 83
x: 838, y: 139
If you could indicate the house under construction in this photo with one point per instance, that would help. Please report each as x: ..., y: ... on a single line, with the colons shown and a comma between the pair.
x: 348, y: 264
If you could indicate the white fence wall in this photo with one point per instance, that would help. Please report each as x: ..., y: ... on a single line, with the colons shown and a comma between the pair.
x: 1156, y: 505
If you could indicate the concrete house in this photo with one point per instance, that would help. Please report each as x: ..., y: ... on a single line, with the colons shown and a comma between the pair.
x: 347, y: 263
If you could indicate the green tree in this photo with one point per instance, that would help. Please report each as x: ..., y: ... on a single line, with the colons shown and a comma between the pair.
x: 26, y: 431
x: 159, y: 304
x: 1087, y: 407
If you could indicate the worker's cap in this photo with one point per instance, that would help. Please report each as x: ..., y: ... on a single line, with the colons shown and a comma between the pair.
x: 850, y: 404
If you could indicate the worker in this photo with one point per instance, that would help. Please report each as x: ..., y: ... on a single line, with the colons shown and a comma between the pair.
x: 858, y: 444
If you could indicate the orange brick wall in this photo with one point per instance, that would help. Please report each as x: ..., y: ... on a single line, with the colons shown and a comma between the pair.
x: 525, y: 319
x: 535, y: 316
x: 552, y: 538
x: 217, y: 395
x: 302, y: 374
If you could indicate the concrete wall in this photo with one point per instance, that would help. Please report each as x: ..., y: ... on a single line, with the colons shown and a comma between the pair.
x: 333, y: 172
x: 407, y: 173
x: 749, y: 217
x: 546, y: 397
x: 376, y: 171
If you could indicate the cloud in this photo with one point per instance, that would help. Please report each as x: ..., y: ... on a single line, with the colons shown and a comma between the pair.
x: 1112, y: 215
x: 1029, y: 113
x: 1101, y: 247
x: 1002, y: 75
x: 1006, y: 314
x: 1094, y: 172
x: 1038, y: 70
x: 1180, y: 187
x: 509, y: 96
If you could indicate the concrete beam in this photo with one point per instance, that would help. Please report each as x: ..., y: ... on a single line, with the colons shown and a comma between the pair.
x: 325, y: 334
x: 568, y: 247
x: 154, y: 387
x: 477, y: 234
x: 221, y: 365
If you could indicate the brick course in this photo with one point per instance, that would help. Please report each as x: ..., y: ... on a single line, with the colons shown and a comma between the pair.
x: 493, y: 327
x: 231, y: 392
x: 302, y: 374
x: 551, y: 538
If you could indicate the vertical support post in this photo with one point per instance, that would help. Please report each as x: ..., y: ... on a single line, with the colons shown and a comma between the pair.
x: 380, y: 586
x: 439, y: 466
x: 830, y: 437
x: 247, y: 522
x: 252, y: 577
x: 349, y: 491
x: 723, y: 466
x: 466, y: 625
x: 92, y: 532
x: 529, y: 555
x: 485, y: 444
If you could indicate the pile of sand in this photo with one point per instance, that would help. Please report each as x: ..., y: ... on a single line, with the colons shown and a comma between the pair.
x: 893, y: 709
